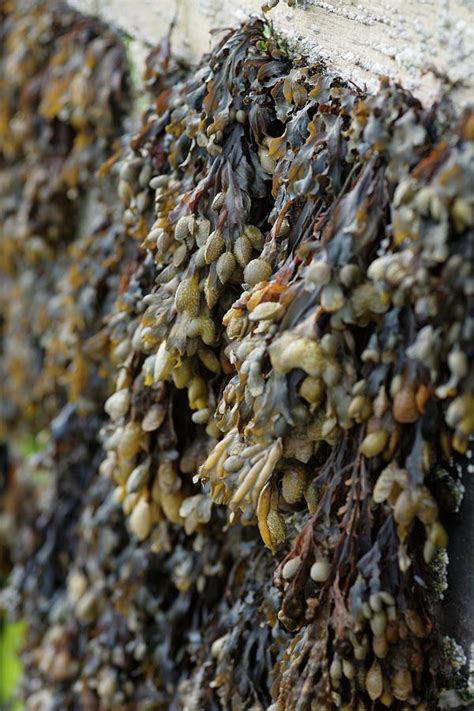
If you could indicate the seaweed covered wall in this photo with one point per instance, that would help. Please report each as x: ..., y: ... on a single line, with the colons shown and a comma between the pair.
x: 242, y: 340
x: 425, y: 45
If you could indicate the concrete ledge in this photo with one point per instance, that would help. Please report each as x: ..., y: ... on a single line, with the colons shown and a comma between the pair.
x: 419, y: 43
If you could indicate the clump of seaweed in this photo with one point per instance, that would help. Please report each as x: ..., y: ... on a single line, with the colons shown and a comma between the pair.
x: 275, y: 319
x: 62, y: 91
x: 329, y: 222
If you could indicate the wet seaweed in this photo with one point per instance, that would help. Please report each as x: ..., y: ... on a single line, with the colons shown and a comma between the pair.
x: 258, y: 370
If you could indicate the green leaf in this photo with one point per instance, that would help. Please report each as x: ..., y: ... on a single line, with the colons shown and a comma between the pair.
x: 11, y: 640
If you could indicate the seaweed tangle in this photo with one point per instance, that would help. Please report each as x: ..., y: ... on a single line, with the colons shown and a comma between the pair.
x: 253, y: 376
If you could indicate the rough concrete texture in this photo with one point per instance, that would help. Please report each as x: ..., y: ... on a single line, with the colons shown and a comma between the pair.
x: 425, y: 45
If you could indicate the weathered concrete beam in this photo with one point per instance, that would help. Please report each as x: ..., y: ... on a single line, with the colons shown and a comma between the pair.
x: 416, y: 43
